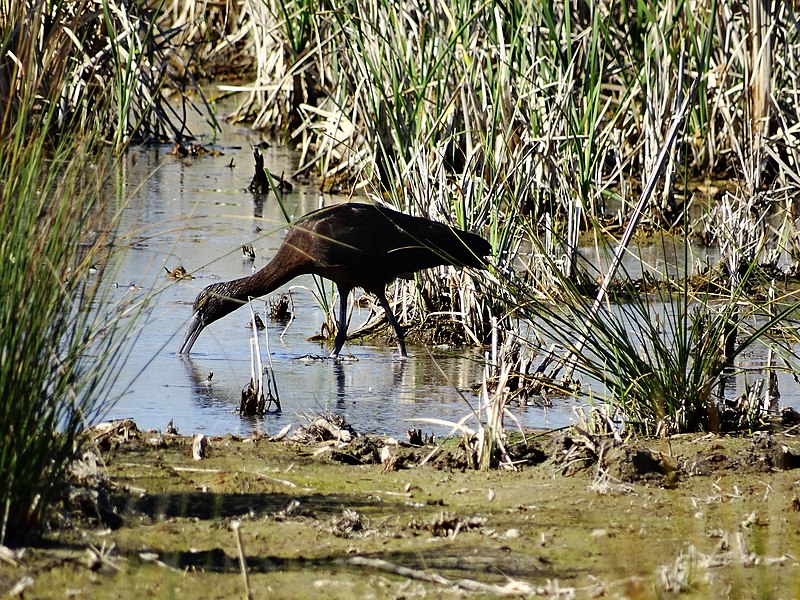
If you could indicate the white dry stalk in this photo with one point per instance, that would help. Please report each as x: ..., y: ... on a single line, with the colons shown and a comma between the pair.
x: 772, y: 393
x: 272, y: 380
x: 762, y: 30
x: 740, y: 231
x: 256, y: 366
x: 491, y: 432
x: 236, y: 526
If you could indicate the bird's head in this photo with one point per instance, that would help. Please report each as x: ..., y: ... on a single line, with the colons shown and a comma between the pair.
x: 213, y: 303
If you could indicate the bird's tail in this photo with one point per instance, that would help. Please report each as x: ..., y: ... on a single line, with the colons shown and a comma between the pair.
x: 457, y: 247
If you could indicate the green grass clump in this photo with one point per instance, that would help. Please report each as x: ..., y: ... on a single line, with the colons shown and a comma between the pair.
x: 60, y: 338
x: 55, y: 349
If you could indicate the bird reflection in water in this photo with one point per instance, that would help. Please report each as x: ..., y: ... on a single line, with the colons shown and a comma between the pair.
x: 340, y: 377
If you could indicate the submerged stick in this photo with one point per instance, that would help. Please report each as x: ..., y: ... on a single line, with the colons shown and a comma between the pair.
x: 571, y: 358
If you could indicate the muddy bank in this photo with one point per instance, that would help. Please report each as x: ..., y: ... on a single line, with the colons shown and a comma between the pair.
x: 703, y: 516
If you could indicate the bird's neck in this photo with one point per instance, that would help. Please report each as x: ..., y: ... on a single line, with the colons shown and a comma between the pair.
x: 280, y: 270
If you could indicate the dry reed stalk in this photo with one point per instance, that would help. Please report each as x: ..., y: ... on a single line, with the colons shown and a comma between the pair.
x: 761, y: 34
x: 328, y: 78
x: 236, y: 526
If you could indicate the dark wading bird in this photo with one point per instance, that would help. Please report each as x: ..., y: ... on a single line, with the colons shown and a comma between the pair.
x: 353, y: 245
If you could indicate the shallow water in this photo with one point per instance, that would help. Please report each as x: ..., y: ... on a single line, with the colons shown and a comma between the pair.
x: 196, y: 212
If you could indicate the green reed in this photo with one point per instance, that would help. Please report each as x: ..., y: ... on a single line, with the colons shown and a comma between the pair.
x: 57, y: 350
x: 60, y: 334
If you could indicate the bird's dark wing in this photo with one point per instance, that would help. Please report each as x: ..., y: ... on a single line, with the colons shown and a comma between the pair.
x: 368, y: 246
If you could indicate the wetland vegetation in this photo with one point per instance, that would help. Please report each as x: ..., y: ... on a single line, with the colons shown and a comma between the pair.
x: 571, y: 137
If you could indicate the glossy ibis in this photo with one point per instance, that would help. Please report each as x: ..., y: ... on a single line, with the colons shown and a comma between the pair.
x: 353, y: 245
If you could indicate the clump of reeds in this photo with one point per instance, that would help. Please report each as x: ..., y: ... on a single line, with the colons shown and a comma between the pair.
x: 258, y: 398
x: 664, y: 344
x: 99, y: 67
x: 583, y: 90
x: 58, y: 351
x: 60, y: 335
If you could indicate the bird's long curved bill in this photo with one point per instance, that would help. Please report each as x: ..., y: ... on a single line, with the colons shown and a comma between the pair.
x: 192, y: 333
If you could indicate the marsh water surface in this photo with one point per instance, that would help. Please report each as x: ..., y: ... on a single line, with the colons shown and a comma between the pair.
x: 197, y: 212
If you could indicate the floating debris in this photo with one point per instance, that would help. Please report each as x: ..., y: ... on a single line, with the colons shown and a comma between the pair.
x: 192, y: 150
x: 263, y: 181
x: 179, y: 150
x: 281, y: 308
x: 309, y: 358
x: 248, y: 253
x: 257, y: 321
x: 178, y: 273
x: 282, y: 184
x: 346, y: 358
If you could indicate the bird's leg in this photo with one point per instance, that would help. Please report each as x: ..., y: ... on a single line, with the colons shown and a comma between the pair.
x: 401, y: 338
x: 341, y: 328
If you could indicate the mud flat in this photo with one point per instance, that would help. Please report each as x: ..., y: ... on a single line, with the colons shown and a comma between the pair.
x: 699, y: 516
